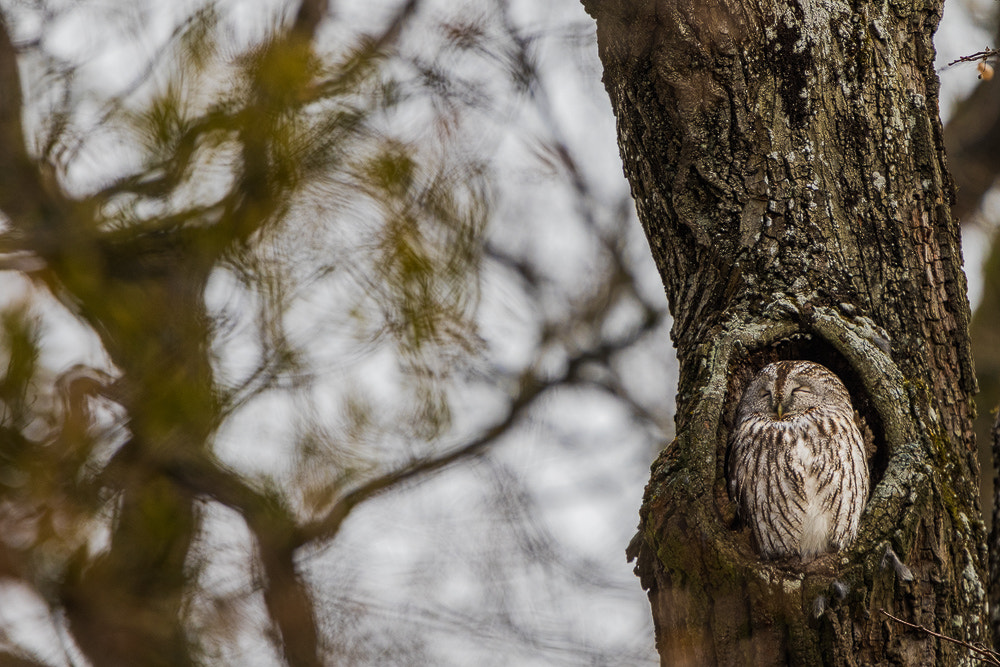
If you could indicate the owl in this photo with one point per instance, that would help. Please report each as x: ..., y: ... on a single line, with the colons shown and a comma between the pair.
x: 798, y: 470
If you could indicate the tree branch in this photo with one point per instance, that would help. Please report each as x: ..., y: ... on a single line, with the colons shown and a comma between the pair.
x: 289, y: 604
x: 328, y: 526
x: 351, y: 70
x: 531, y: 389
x: 277, y: 536
x: 22, y: 194
x: 9, y: 659
x: 311, y: 13
x: 986, y: 655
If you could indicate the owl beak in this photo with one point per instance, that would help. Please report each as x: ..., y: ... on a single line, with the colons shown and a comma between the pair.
x: 781, y: 406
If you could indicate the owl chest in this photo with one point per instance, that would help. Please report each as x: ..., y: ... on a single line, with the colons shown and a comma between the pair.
x: 801, y: 451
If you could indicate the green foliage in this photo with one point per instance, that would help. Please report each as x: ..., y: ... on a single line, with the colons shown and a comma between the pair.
x: 19, y: 343
x: 280, y: 256
x: 273, y: 163
x: 48, y: 502
x: 254, y: 147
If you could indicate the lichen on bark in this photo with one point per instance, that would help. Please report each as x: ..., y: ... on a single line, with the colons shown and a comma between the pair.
x: 787, y: 166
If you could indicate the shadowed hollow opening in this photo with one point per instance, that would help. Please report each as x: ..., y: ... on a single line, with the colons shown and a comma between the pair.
x: 744, y: 364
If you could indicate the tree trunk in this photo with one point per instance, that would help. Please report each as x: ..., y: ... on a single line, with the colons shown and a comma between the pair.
x: 787, y: 164
x: 972, y: 139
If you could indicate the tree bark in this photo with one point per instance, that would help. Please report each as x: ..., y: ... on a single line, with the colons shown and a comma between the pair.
x: 972, y: 139
x: 787, y: 163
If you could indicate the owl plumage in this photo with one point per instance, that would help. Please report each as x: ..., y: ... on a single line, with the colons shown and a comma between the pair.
x: 797, y: 464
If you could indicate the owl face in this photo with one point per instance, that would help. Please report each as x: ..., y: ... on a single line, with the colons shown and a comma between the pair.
x: 787, y: 390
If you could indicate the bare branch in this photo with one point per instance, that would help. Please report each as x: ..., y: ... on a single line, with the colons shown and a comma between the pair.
x: 22, y: 195
x: 531, y: 389
x: 988, y: 656
x: 328, y: 526
x: 12, y: 660
x: 309, y: 16
x: 978, y: 55
x: 277, y: 537
x: 288, y: 603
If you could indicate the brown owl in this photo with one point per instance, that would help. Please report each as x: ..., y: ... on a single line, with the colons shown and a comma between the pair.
x: 797, y: 464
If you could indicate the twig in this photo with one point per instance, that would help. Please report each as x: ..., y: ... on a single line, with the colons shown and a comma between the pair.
x: 372, y: 48
x: 979, y: 55
x: 984, y: 654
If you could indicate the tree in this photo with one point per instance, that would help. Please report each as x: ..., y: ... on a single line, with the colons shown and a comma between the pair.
x: 250, y: 209
x: 971, y: 139
x: 787, y: 165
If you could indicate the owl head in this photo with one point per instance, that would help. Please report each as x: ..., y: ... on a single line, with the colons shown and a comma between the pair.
x: 787, y: 389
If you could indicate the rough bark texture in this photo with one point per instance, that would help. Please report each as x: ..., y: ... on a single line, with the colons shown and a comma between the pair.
x: 994, y: 543
x: 972, y: 138
x: 787, y: 164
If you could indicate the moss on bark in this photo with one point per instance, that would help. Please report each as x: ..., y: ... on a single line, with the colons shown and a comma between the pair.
x: 787, y: 165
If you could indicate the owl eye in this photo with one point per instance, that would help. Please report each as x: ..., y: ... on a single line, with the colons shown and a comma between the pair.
x: 802, y: 389
x: 765, y: 393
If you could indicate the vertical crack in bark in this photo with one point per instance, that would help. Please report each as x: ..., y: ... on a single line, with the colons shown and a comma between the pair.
x: 787, y: 166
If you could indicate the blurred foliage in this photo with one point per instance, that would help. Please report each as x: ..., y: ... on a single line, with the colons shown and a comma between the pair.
x: 278, y: 235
